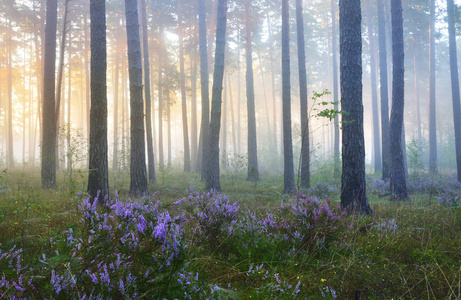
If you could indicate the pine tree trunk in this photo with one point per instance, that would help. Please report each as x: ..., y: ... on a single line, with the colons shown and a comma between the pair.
x: 185, y: 129
x: 223, y: 133
x: 148, y: 112
x: 160, y: 94
x: 383, y: 91
x: 98, y: 179
x: 305, y: 147
x: 454, y: 83
x: 48, y: 168
x: 288, y: 168
x: 231, y: 102
x: 116, y: 124
x: 252, y: 172
x: 432, y: 106
x: 397, y: 166
x: 204, y: 88
x: 212, y: 177
x: 193, y: 120
x: 353, y: 185
x: 374, y: 93
x: 138, y: 176
x: 10, y: 100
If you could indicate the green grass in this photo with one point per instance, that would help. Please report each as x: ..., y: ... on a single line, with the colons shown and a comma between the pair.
x: 422, y: 260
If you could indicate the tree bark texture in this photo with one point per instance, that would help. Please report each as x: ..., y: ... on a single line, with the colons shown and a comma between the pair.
x: 288, y: 168
x: 454, y: 83
x: 138, y: 176
x: 305, y: 149
x: 145, y: 45
x: 397, y: 165
x: 212, y: 178
x: 353, y: 185
x: 48, y: 170
x: 432, y: 106
x: 252, y: 171
x: 98, y: 178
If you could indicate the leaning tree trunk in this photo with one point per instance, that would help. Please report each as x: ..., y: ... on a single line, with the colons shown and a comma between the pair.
x: 252, y: 172
x: 185, y: 129
x: 432, y: 107
x: 374, y: 93
x: 383, y: 91
x: 305, y: 149
x: 353, y: 185
x: 454, y: 83
x: 204, y: 87
x: 212, y: 177
x: 98, y: 178
x: 138, y: 176
x: 398, y: 180
x: 288, y: 168
x: 48, y: 170
x: 145, y: 44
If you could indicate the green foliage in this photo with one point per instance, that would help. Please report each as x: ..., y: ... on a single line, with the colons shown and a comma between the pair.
x: 414, y: 154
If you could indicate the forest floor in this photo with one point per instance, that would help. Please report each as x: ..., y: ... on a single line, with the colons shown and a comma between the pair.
x: 252, y: 244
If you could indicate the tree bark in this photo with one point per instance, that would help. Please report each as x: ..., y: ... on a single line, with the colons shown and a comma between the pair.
x: 432, y: 106
x: 160, y: 94
x: 305, y: 147
x: 185, y: 129
x: 397, y: 165
x: 193, y: 120
x: 116, y: 81
x: 288, y: 168
x: 98, y: 179
x: 148, y: 112
x: 48, y: 169
x: 212, y: 178
x: 252, y: 172
x: 454, y: 83
x: 336, y: 158
x: 138, y: 176
x: 374, y: 93
x: 353, y: 185
x: 383, y: 91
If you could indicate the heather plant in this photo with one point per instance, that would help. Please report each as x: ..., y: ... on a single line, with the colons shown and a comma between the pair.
x: 324, y: 189
x: 378, y: 186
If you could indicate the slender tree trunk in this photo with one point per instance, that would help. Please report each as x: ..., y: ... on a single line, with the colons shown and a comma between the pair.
x: 432, y: 106
x: 160, y: 94
x: 398, y: 180
x: 305, y: 147
x: 116, y: 124
x: 454, y: 83
x: 418, y: 106
x: 69, y: 98
x: 239, y: 96
x: 374, y: 93
x: 353, y: 185
x: 223, y: 134
x: 98, y: 179
x: 212, y: 177
x: 48, y: 169
x: 185, y: 129
x: 168, y: 121
x: 145, y: 44
x: 10, y: 100
x: 334, y: 41
x: 252, y: 173
x: 205, y: 124
x: 87, y: 76
x: 288, y: 168
x: 124, y: 113
x: 193, y: 143
x: 231, y: 102
x: 383, y: 91
x: 138, y: 176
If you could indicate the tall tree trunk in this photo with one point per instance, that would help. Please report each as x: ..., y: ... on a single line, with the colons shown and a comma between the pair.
x: 353, y: 185
x: 10, y: 100
x: 87, y: 76
x: 223, y: 134
x: 305, y: 147
x: 160, y: 94
x: 432, y: 107
x: 212, y: 168
x: 138, y: 176
x: 124, y: 113
x: 185, y: 129
x: 193, y: 144
x: 168, y: 123
x: 454, y: 83
x: 374, y: 93
x: 116, y: 124
x: 418, y: 106
x: 239, y: 96
x: 69, y: 96
x: 148, y: 112
x: 231, y: 102
x: 98, y: 179
x: 252, y: 173
x: 383, y: 91
x: 204, y: 87
x: 334, y: 41
x: 274, y: 101
x: 398, y: 180
x: 288, y: 168
x: 48, y: 169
